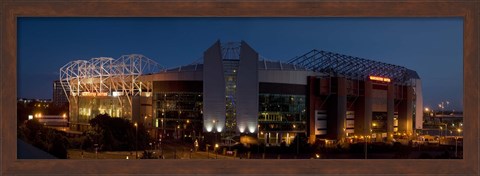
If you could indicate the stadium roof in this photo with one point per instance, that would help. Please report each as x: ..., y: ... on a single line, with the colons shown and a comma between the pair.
x: 262, y: 65
x: 325, y: 62
x: 231, y: 51
x: 352, y: 67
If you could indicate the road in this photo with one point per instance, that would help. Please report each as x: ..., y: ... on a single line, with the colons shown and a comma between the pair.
x: 171, y: 150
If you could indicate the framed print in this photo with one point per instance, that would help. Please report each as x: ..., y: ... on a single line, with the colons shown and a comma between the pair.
x: 233, y: 107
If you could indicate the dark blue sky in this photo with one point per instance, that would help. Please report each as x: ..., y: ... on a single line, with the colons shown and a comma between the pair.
x: 431, y: 46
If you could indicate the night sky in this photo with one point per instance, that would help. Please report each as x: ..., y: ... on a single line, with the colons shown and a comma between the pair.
x: 431, y: 46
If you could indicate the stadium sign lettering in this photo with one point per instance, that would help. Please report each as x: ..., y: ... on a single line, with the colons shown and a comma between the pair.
x: 378, y: 78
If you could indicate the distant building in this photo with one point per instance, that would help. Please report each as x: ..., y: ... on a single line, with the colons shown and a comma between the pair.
x: 235, y: 91
x: 59, y: 94
x: 454, y: 119
x: 30, y: 100
x: 27, y: 108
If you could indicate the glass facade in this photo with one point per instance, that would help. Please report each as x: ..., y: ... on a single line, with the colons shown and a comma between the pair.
x: 178, y: 114
x: 230, y: 71
x: 281, y: 116
x: 89, y: 107
x: 379, y: 122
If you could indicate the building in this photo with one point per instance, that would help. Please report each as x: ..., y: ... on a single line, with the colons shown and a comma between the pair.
x: 59, y: 95
x: 107, y: 85
x: 360, y: 97
x: 28, y: 108
x: 234, y: 91
x: 442, y: 122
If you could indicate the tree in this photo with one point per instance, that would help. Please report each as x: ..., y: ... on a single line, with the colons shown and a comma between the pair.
x: 47, y: 139
x: 117, y: 133
x: 300, y: 143
x: 58, y: 144
x: 148, y: 155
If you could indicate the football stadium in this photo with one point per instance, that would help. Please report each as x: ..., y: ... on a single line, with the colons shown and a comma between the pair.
x: 234, y: 91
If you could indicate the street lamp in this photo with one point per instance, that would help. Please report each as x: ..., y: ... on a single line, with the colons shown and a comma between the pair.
x: 196, y: 145
x: 215, y: 128
x: 208, y: 154
x: 160, y: 147
x: 96, y: 150
x: 366, y: 145
x: 365, y: 141
x: 163, y: 129
x: 216, y: 152
x: 442, y: 106
x: 177, y: 130
x: 136, y: 140
x: 441, y: 129
x: 456, y: 141
x: 446, y: 128
x: 214, y: 125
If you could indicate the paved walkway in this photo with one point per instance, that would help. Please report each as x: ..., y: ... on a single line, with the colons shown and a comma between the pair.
x: 78, y: 154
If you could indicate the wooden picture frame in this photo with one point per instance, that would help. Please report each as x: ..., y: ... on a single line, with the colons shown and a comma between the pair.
x: 11, y: 10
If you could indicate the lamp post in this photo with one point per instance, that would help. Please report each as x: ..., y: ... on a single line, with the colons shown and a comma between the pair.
x: 163, y: 129
x: 366, y: 142
x: 456, y: 142
x: 136, y: 140
x: 216, y: 151
x: 96, y: 150
x: 177, y: 130
x: 442, y: 106
x: 196, y: 145
x: 298, y: 137
x: 161, y: 137
x: 215, y: 128
x: 441, y: 129
x: 456, y: 146
x: 161, y: 146
x: 427, y: 112
x: 365, y: 147
x: 445, y: 134
x: 208, y: 154
x: 187, y: 129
